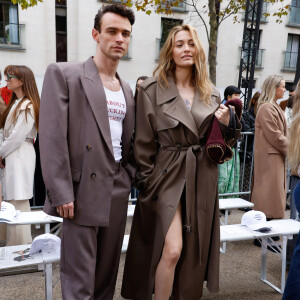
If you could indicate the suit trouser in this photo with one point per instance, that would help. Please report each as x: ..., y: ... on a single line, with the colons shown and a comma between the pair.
x: 90, y: 255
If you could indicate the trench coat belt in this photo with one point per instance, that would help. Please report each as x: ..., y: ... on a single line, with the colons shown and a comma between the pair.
x: 191, y: 186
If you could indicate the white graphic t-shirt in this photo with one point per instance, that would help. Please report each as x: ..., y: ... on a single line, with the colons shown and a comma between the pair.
x: 116, y: 106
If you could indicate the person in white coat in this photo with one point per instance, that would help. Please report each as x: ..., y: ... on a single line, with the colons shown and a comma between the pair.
x: 19, y: 125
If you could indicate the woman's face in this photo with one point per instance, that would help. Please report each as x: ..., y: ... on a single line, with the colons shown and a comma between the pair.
x: 184, y: 50
x: 279, y: 93
x: 13, y: 83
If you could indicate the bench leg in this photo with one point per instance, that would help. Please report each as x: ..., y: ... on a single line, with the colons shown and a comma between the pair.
x: 282, y: 255
x: 48, y: 281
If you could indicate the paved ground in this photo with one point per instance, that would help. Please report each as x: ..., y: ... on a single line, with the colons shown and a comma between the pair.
x: 239, y: 275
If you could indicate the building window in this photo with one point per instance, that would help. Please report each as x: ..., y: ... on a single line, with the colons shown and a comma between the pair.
x: 295, y: 13
x: 245, y: 83
x: 166, y: 26
x: 181, y: 6
x: 259, y: 53
x: 61, y: 30
x: 264, y: 10
x: 291, y: 53
x: 9, y: 23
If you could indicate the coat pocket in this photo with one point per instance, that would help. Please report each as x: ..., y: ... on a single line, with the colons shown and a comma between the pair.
x: 76, y: 175
x: 272, y: 150
x: 152, y: 179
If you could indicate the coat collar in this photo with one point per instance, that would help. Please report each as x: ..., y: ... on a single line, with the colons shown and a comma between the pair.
x: 174, y: 106
x: 96, y: 96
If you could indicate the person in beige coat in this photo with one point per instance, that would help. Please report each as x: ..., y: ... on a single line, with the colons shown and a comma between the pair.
x: 19, y: 125
x: 270, y: 149
x: 175, y: 237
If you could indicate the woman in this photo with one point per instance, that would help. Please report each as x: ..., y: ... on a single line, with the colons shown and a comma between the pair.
x: 292, y: 288
x: 19, y: 124
x: 176, y: 221
x: 270, y: 149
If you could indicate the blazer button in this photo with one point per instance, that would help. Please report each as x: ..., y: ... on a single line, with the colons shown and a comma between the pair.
x: 88, y: 147
x: 93, y: 176
x: 165, y: 172
x: 178, y: 145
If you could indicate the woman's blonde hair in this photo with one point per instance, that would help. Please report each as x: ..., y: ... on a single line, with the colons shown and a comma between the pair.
x: 268, y: 89
x: 294, y: 132
x: 30, y: 91
x: 166, y: 65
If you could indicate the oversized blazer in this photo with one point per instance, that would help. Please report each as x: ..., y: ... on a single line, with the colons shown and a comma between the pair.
x: 172, y: 165
x: 75, y: 143
x: 270, y: 149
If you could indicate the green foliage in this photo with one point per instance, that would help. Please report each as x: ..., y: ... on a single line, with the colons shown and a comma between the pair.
x: 26, y: 3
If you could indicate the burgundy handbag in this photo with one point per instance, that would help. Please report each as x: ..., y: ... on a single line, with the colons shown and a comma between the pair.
x: 216, y: 147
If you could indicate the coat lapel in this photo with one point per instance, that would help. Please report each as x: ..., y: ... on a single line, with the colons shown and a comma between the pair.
x: 94, y: 91
x: 202, y: 112
x: 174, y: 106
x: 282, y: 117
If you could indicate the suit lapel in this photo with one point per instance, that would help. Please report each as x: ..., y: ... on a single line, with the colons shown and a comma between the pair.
x: 94, y: 91
x: 128, y: 123
x: 174, y: 106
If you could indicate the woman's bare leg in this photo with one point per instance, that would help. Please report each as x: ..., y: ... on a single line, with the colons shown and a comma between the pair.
x: 164, y: 275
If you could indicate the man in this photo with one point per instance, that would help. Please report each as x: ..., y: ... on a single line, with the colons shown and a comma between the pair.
x: 86, y: 125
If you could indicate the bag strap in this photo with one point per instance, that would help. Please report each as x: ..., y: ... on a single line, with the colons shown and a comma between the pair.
x: 232, y: 121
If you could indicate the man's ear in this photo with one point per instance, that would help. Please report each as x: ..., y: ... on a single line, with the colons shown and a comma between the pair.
x: 95, y: 35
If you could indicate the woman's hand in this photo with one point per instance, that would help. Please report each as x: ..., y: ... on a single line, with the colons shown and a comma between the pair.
x: 223, y: 114
x: 1, y: 164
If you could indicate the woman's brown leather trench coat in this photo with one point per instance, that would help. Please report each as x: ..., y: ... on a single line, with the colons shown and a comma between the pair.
x: 270, y: 149
x: 170, y: 155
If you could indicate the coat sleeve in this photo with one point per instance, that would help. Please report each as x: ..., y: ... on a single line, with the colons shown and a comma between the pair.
x: 268, y: 122
x: 145, y: 141
x: 53, y: 133
x: 18, y: 134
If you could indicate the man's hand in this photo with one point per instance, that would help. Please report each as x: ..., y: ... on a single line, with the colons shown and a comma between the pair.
x: 1, y: 164
x: 66, y: 210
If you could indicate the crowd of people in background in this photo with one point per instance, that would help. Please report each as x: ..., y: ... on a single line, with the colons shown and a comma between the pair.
x: 176, y: 220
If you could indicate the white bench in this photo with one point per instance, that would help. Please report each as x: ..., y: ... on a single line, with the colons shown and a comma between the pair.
x: 237, y: 232
x: 34, y: 218
x: 17, y: 257
x: 228, y: 205
x: 284, y: 228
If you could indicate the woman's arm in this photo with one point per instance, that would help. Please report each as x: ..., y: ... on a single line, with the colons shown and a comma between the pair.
x: 145, y: 142
x: 18, y: 134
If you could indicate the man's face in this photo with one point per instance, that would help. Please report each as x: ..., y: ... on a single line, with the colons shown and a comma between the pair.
x: 114, y: 37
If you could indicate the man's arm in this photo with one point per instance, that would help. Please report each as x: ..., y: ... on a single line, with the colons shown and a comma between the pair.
x: 53, y: 132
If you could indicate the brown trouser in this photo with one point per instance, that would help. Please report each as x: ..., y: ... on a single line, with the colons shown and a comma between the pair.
x: 90, y: 255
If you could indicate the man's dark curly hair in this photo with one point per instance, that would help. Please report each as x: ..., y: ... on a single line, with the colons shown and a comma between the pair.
x: 118, y: 9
